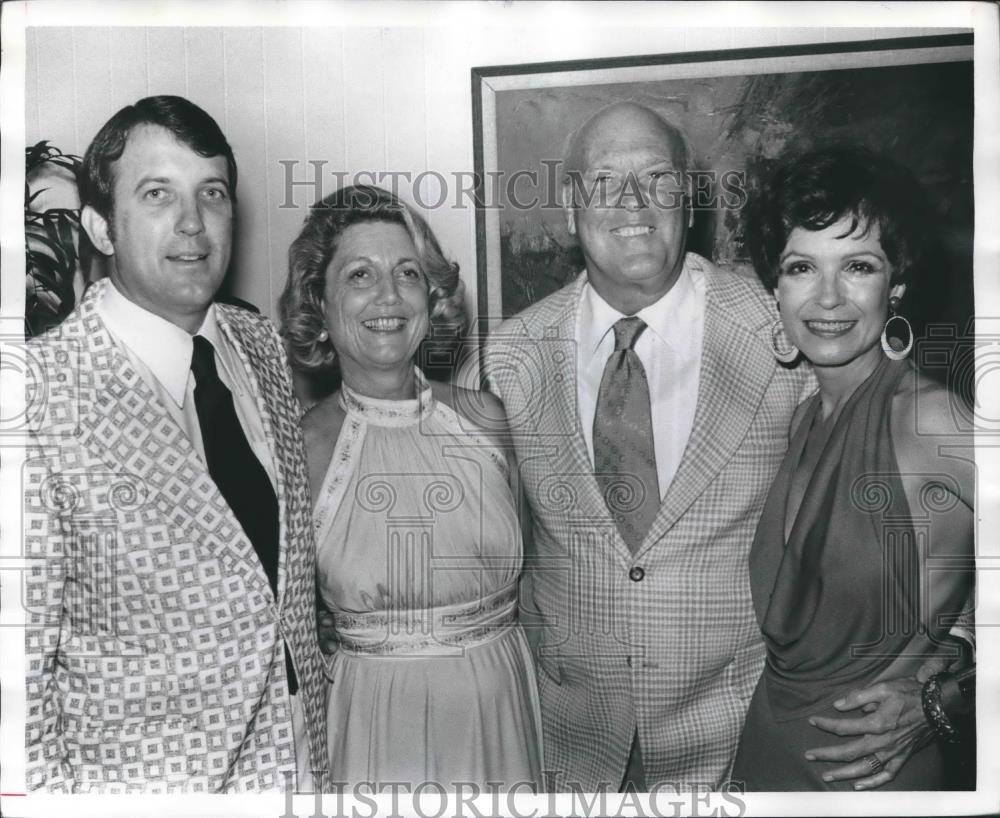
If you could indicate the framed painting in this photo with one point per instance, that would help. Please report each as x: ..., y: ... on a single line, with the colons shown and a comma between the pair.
x: 912, y: 98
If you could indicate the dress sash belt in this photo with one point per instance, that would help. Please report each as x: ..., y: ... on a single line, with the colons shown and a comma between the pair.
x: 441, y: 631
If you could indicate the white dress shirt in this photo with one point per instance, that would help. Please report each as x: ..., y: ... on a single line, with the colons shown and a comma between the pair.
x: 670, y: 351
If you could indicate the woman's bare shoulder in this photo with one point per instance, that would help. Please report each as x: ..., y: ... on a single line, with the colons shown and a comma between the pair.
x: 323, y: 420
x: 924, y: 408
x: 321, y: 427
x: 930, y: 432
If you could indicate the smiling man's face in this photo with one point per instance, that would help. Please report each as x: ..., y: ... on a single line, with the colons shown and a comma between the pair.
x: 633, y: 230
x: 171, y: 225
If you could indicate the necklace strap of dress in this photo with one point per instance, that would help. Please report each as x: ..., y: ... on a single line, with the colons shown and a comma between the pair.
x: 342, y: 465
x: 387, y: 412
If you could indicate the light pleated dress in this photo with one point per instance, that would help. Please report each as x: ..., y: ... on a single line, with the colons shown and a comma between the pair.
x: 419, y: 554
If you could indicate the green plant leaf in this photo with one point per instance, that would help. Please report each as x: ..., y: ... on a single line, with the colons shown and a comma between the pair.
x: 66, y: 161
x: 51, y: 245
x: 43, y: 271
x: 36, y: 154
x: 67, y: 237
x: 42, y: 278
x: 30, y: 198
x: 58, y: 251
x: 70, y: 213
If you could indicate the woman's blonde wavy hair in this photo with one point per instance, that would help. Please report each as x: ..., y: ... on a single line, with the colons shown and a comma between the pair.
x: 302, y: 306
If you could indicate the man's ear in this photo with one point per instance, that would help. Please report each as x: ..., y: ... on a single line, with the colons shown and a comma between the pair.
x: 97, y: 230
x: 567, y: 205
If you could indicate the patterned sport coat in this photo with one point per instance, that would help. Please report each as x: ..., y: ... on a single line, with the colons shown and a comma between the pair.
x: 666, y: 640
x: 155, y: 647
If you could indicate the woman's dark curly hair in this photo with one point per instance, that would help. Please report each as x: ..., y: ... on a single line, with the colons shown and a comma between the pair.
x: 302, y: 307
x: 816, y: 189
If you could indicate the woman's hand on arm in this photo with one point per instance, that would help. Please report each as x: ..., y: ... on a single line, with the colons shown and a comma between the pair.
x: 892, y: 728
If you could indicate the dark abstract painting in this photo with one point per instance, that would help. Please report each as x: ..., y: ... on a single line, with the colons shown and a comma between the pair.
x: 922, y: 115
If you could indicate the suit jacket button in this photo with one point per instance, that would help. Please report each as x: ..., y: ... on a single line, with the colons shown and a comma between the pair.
x: 636, y: 574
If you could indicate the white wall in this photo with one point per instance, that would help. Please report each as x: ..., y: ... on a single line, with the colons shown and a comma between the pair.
x: 358, y: 98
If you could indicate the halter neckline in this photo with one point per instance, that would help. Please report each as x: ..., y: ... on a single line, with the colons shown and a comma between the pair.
x: 389, y: 412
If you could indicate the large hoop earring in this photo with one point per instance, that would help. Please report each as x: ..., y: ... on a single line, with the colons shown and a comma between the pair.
x: 890, y: 351
x: 786, y: 356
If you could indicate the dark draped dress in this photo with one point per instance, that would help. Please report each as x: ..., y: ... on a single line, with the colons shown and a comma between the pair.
x: 839, y: 601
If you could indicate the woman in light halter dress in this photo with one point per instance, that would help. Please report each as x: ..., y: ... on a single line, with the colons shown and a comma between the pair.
x: 417, y: 537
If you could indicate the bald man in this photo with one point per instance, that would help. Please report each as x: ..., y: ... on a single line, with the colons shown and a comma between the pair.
x: 649, y: 417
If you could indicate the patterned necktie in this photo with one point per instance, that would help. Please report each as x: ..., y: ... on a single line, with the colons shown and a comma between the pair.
x: 234, y: 467
x: 624, y: 459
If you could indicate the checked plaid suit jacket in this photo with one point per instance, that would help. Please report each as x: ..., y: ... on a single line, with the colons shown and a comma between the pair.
x: 664, y: 641
x: 154, y: 646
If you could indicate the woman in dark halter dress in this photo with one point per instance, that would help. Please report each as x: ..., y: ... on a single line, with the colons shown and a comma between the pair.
x: 866, y: 499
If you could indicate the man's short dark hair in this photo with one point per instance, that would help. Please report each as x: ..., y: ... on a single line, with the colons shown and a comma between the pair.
x: 186, y: 121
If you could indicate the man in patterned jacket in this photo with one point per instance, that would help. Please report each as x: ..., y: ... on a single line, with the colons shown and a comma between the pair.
x: 170, y: 600
x: 649, y: 416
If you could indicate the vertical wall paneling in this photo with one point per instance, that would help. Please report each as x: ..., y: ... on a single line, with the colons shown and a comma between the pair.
x: 129, y: 73
x: 654, y: 40
x: 246, y: 121
x: 56, y: 81
x: 31, y: 104
x: 364, y: 101
x: 324, y: 125
x: 92, y: 61
x: 405, y: 123
x: 448, y: 116
x: 206, y: 71
x: 283, y: 83
x: 323, y: 105
x: 792, y: 36
x: 166, y: 61
x: 710, y: 39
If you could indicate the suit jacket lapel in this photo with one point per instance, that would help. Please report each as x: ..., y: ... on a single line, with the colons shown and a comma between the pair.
x: 571, y: 457
x: 124, y: 425
x: 122, y: 403
x: 731, y: 385
x: 560, y: 353
x: 260, y: 372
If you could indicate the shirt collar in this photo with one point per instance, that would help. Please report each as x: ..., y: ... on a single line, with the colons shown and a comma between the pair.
x: 164, y: 348
x: 668, y: 318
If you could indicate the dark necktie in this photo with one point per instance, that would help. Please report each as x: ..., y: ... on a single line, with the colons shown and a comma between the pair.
x: 624, y: 460
x: 235, y: 468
